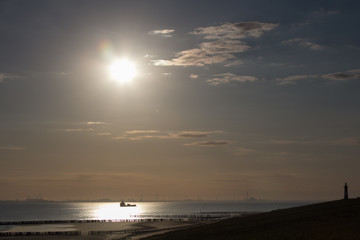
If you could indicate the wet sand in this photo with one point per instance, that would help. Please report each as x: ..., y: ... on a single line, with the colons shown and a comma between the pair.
x: 338, y: 220
x: 97, y: 230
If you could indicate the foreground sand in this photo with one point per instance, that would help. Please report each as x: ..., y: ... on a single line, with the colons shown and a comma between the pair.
x: 100, y: 230
x: 336, y: 220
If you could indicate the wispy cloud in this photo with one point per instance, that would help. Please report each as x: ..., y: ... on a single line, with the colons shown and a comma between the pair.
x: 230, y: 77
x: 120, y: 138
x: 224, y: 46
x: 234, y: 63
x: 12, y: 148
x: 349, y: 141
x: 95, y: 123
x: 75, y: 130
x: 337, y: 76
x: 343, y: 76
x: 287, y: 142
x: 323, y: 12
x: 237, y: 30
x: 293, y: 79
x: 6, y: 76
x: 103, y: 134
x: 244, y: 151
x: 194, y: 57
x: 192, y: 134
x: 303, y: 43
x: 151, y: 134
x: 141, y: 135
x: 162, y: 32
x: 96, y: 128
x: 194, y: 76
x: 220, y: 45
x: 141, y: 131
x: 167, y: 74
x: 209, y: 143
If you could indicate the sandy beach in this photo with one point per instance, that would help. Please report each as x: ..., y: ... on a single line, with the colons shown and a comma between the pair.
x: 329, y: 220
x: 96, y: 230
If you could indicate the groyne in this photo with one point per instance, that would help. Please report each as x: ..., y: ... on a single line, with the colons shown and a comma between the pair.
x: 211, y: 216
x: 55, y: 233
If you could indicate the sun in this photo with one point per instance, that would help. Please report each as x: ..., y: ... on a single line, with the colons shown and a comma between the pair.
x: 122, y: 70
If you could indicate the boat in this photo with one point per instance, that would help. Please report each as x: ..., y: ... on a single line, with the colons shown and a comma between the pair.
x: 123, y: 204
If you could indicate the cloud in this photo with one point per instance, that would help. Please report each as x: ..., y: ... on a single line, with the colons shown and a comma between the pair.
x: 337, y: 76
x: 322, y: 12
x: 293, y: 79
x: 119, y: 138
x: 209, y: 143
x: 244, y: 151
x: 223, y: 46
x: 12, y: 148
x: 237, y: 30
x: 95, y: 123
x: 103, y: 134
x: 194, y: 76
x: 162, y: 32
x: 140, y: 135
x: 6, y: 76
x: 286, y: 142
x: 343, y: 76
x: 230, y: 77
x: 96, y: 128
x: 222, y: 42
x: 192, y: 134
x: 141, y: 131
x: 303, y: 43
x: 75, y: 130
x: 347, y: 141
x: 194, y: 57
x: 167, y: 74
x: 234, y: 63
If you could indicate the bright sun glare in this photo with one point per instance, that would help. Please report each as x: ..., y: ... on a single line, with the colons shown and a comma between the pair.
x: 122, y: 70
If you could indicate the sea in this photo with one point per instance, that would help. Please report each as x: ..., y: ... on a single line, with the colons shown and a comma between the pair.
x: 22, y: 211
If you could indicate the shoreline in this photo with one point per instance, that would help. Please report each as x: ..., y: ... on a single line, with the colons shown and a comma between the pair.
x: 95, y: 230
x: 329, y: 220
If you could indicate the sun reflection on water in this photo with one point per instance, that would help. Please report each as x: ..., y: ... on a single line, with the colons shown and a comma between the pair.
x: 113, y: 211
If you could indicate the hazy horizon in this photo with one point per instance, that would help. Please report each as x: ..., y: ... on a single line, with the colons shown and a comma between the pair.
x: 204, y: 99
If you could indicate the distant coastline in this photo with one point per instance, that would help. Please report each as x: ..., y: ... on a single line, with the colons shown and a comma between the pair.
x: 250, y: 200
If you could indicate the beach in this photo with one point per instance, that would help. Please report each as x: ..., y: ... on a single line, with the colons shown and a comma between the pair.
x: 329, y: 220
x: 93, y: 230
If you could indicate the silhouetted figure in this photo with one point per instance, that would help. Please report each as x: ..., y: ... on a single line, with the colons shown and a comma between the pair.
x: 346, y: 194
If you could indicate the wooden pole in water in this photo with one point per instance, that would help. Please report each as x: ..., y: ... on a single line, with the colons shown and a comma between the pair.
x: 346, y: 194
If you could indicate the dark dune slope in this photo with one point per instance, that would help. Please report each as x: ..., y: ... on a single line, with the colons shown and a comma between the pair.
x: 334, y: 220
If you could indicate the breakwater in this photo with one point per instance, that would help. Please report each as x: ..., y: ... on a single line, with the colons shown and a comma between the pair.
x: 55, y: 233
x: 135, y: 218
x: 96, y: 233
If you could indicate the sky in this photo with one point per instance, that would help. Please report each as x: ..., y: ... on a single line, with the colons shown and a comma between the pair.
x: 230, y: 99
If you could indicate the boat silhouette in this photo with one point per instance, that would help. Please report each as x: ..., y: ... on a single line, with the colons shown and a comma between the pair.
x: 123, y: 204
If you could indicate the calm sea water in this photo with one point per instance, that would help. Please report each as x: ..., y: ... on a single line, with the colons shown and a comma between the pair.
x: 28, y: 211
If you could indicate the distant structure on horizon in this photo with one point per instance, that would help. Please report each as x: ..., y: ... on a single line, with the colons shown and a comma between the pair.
x: 346, y: 194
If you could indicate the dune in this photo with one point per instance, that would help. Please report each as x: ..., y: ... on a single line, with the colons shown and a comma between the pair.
x: 337, y: 220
